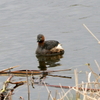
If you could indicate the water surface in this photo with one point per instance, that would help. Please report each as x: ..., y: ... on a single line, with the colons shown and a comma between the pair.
x: 22, y: 21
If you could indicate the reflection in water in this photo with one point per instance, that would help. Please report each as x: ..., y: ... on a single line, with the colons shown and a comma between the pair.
x: 49, y: 61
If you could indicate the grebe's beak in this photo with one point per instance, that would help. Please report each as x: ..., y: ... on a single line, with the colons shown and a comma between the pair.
x: 38, y: 40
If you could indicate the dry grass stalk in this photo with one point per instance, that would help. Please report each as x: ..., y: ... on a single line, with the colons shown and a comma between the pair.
x: 64, y: 92
x: 49, y: 95
x: 48, y: 91
x: 9, y: 68
x: 97, y: 64
x: 65, y: 95
x: 76, y: 82
x: 76, y: 78
x: 86, y: 90
x: 4, y: 93
x: 55, y: 98
x: 88, y: 97
x: 91, y: 94
x: 91, y: 33
x: 28, y: 86
x: 97, y: 77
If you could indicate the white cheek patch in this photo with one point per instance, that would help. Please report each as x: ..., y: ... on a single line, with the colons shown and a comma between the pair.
x: 59, y: 46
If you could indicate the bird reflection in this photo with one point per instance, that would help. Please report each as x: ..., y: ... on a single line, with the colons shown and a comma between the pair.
x: 48, y: 61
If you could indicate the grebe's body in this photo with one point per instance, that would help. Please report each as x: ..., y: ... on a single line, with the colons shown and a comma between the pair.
x: 48, y: 48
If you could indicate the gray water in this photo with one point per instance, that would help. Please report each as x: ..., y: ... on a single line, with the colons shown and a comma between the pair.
x: 22, y: 20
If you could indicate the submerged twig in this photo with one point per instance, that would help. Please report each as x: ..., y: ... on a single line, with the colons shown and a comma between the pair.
x: 60, y: 76
x: 31, y: 72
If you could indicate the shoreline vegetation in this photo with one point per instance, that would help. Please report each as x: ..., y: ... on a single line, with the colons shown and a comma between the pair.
x: 84, y: 91
x: 89, y: 90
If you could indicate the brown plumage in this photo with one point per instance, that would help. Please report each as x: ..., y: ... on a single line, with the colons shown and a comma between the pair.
x: 48, y: 48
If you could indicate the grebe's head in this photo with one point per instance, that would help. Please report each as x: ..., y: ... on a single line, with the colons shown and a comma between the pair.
x: 40, y: 38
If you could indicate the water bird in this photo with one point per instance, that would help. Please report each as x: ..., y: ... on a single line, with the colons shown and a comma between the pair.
x: 49, y: 47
